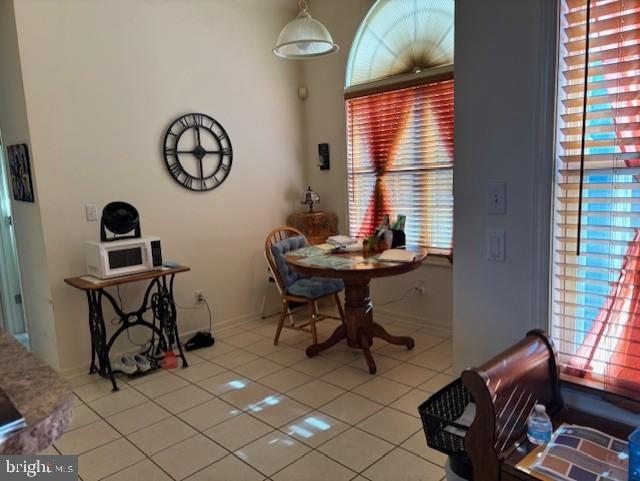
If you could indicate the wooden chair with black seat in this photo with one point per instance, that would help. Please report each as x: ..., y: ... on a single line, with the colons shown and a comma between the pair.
x: 295, y: 288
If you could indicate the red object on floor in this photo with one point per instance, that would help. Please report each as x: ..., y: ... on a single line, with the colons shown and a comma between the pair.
x: 170, y: 360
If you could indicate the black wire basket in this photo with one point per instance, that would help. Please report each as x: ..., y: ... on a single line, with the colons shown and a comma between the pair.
x: 440, y: 412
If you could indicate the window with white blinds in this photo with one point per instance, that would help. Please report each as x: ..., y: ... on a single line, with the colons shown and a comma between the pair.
x: 596, y: 284
x: 400, y: 161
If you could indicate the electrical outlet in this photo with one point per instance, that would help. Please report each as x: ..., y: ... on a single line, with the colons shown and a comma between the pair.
x: 199, y: 297
x: 421, y: 291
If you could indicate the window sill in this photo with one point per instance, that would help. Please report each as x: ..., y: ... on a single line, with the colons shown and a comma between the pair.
x: 435, y: 260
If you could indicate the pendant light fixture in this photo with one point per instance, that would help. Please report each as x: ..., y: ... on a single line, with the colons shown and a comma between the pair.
x: 304, y: 37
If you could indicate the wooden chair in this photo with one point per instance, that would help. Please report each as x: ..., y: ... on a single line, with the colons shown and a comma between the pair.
x: 505, y: 389
x: 283, y: 282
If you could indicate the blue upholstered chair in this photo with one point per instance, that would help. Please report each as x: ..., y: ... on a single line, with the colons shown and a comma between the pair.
x: 296, y: 288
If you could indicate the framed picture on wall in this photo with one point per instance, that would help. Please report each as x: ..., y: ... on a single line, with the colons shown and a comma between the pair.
x: 20, y: 172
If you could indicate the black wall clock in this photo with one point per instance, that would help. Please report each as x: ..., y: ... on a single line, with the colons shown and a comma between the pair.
x: 198, y: 152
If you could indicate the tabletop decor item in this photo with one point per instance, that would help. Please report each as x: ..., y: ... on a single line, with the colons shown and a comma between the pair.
x: 309, y: 198
x: 20, y: 172
x: 197, y: 151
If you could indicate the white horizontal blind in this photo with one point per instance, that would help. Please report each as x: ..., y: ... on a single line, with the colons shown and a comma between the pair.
x: 400, y: 161
x: 596, y: 294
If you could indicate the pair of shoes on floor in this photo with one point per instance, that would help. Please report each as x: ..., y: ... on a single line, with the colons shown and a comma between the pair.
x: 130, y: 364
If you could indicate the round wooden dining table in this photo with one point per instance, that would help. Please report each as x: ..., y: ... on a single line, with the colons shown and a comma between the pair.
x: 359, y: 328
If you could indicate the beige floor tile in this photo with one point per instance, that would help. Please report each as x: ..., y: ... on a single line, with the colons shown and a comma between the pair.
x: 347, y: 377
x: 229, y: 332
x: 292, y: 337
x: 138, y: 417
x: 161, y: 385
x: 391, y: 425
x: 86, y: 438
x: 238, y: 431
x: 409, y: 403
x: 445, y: 348
x: 383, y: 363
x: 82, y: 379
x: 243, y: 339
x: 315, y: 428
x: 409, y: 374
x: 432, y: 360
x: 351, y: 408
x: 264, y: 347
x: 117, y: 401
x: 417, y: 444
x: 225, y: 382
x: 413, y: 468
x: 143, y: 471
x: 269, y: 329
x: 316, y: 366
x: 108, y: 459
x: 400, y: 353
x: 218, y: 349
x: 183, y: 399
x: 227, y: 469
x: 356, y: 449
x: 209, y: 414
x: 316, y: 393
x: 425, y: 340
x: 82, y: 415
x: 152, y: 376
x: 288, y: 356
x: 252, y: 395
x: 382, y: 390
x: 285, y: 380
x: 235, y: 358
x: 314, y: 466
x: 272, y: 452
x: 161, y: 435
x: 97, y: 389
x: 188, y: 456
x: 258, y: 369
x: 436, y: 383
x: 198, y: 372
x: 342, y: 353
x: 278, y: 410
x: 76, y: 400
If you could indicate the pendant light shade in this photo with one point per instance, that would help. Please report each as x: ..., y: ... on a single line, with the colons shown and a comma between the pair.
x: 304, y: 37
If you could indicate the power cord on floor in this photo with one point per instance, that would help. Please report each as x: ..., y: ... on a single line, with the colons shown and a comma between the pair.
x: 198, y: 307
x: 401, y: 298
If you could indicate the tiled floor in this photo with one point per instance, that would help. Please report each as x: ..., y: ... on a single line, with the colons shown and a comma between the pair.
x: 246, y: 410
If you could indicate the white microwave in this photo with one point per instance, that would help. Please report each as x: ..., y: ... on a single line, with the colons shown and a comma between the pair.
x: 123, y: 257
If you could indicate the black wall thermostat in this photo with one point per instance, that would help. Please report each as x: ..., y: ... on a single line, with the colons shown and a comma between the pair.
x: 323, y: 157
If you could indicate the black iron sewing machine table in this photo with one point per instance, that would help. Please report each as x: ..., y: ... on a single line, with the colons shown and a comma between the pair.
x: 158, y: 298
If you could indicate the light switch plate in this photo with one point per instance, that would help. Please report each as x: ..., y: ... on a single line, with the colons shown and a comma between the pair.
x: 494, y: 244
x: 497, y: 198
x: 92, y: 212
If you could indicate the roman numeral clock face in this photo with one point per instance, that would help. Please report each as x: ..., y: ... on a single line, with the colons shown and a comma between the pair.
x: 197, y: 151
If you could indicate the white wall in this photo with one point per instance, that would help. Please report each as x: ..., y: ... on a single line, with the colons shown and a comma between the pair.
x: 28, y: 226
x: 324, y: 121
x: 505, y: 58
x: 103, y: 80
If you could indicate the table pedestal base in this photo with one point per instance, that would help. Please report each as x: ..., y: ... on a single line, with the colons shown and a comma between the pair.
x: 359, y: 328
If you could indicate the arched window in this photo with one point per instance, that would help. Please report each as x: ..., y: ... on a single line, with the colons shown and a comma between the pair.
x: 399, y: 101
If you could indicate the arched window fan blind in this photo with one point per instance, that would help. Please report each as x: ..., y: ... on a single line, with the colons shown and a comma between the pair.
x: 596, y: 285
x: 400, y: 161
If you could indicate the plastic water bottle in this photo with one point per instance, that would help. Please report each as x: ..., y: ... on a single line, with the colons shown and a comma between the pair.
x: 539, y: 427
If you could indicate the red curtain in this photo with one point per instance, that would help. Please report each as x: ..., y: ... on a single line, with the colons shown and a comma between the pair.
x: 383, y: 133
